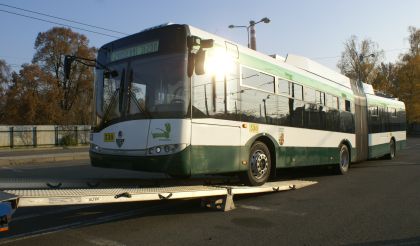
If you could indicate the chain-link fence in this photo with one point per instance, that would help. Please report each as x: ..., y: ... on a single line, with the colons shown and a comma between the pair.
x: 43, y: 135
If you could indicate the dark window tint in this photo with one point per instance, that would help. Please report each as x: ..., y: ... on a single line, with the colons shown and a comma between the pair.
x: 297, y: 113
x: 393, y: 112
x: 284, y: 110
x: 348, y: 106
x: 258, y: 106
x: 374, y: 111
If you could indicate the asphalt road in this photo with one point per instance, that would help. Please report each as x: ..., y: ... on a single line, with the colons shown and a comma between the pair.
x: 376, y: 203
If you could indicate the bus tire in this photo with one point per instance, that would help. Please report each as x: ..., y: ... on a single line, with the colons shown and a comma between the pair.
x: 259, y: 165
x: 344, y: 160
x: 392, y: 150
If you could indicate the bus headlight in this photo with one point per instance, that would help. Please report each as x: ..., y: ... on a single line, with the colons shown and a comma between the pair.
x: 95, y: 147
x: 167, y: 149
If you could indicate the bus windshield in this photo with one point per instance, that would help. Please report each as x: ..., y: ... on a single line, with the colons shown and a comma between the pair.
x: 145, y: 88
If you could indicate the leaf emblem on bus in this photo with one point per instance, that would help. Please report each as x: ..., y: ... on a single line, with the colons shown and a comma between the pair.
x: 163, y: 133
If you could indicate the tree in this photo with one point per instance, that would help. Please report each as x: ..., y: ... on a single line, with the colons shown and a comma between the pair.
x: 4, y: 72
x: 386, y: 79
x: 359, y: 60
x: 75, y: 92
x: 5, y: 76
x: 29, y: 97
x: 414, y: 40
x: 408, y: 77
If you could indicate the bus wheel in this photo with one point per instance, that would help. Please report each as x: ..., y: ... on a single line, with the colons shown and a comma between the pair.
x: 391, y: 154
x: 259, y: 165
x: 343, y: 165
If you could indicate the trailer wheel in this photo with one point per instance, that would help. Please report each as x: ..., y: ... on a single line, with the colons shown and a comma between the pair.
x: 344, y: 162
x: 259, y: 166
x: 392, y: 151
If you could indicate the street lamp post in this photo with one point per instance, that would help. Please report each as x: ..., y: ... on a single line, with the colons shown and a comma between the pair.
x: 250, y: 29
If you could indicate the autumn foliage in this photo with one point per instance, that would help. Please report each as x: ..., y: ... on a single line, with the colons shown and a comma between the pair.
x: 39, y: 93
x: 400, y: 79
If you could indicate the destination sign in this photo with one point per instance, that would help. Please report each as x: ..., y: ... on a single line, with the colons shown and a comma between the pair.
x: 142, y: 49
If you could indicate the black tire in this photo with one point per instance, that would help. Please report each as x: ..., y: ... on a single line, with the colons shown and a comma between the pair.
x: 259, y: 165
x: 392, y: 150
x: 344, y: 160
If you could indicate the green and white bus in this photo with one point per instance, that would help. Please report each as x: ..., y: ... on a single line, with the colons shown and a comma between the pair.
x: 181, y: 101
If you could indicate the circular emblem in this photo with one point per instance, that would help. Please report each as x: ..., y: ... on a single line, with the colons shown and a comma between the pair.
x: 281, y: 139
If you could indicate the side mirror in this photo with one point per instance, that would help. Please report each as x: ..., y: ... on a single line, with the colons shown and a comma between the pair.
x: 206, y: 43
x: 199, y: 62
x: 67, y: 65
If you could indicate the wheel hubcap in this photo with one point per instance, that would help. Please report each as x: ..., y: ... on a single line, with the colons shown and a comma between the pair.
x: 344, y: 159
x: 259, y: 164
x: 392, y: 151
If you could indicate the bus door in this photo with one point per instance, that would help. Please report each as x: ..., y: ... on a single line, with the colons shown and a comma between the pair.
x: 215, y: 136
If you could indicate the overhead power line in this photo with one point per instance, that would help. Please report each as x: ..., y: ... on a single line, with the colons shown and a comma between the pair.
x: 56, y: 23
x: 64, y: 19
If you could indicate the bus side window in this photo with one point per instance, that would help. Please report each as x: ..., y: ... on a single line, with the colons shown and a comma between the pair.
x: 348, y: 105
x: 309, y: 95
x: 320, y: 97
x: 297, y: 91
x: 284, y: 87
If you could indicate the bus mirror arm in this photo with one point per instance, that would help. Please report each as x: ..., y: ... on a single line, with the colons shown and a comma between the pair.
x: 68, y: 60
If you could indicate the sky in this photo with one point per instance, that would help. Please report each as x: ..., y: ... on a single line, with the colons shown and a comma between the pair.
x: 312, y: 28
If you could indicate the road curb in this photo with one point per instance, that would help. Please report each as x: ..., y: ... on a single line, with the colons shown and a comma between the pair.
x: 31, y: 159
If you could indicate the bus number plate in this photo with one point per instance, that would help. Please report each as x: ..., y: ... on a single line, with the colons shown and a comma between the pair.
x: 109, y: 137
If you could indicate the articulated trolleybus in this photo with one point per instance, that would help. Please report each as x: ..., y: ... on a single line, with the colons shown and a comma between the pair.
x: 181, y: 101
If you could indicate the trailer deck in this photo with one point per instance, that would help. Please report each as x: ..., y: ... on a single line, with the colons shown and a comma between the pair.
x: 220, y: 196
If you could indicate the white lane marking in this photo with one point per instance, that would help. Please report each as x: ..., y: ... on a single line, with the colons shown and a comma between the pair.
x: 255, y: 208
x: 292, y: 213
x: 268, y: 210
x: 105, y: 242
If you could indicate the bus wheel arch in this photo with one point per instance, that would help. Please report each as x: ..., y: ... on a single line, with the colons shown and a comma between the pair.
x: 261, y: 161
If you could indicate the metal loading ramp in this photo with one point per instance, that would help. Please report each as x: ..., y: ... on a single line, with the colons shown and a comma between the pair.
x: 218, y: 196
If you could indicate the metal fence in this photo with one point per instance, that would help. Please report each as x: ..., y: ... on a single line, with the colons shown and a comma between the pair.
x: 43, y: 135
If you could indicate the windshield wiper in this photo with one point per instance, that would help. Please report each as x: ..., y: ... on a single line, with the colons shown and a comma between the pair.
x: 108, y: 109
x: 142, y: 109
